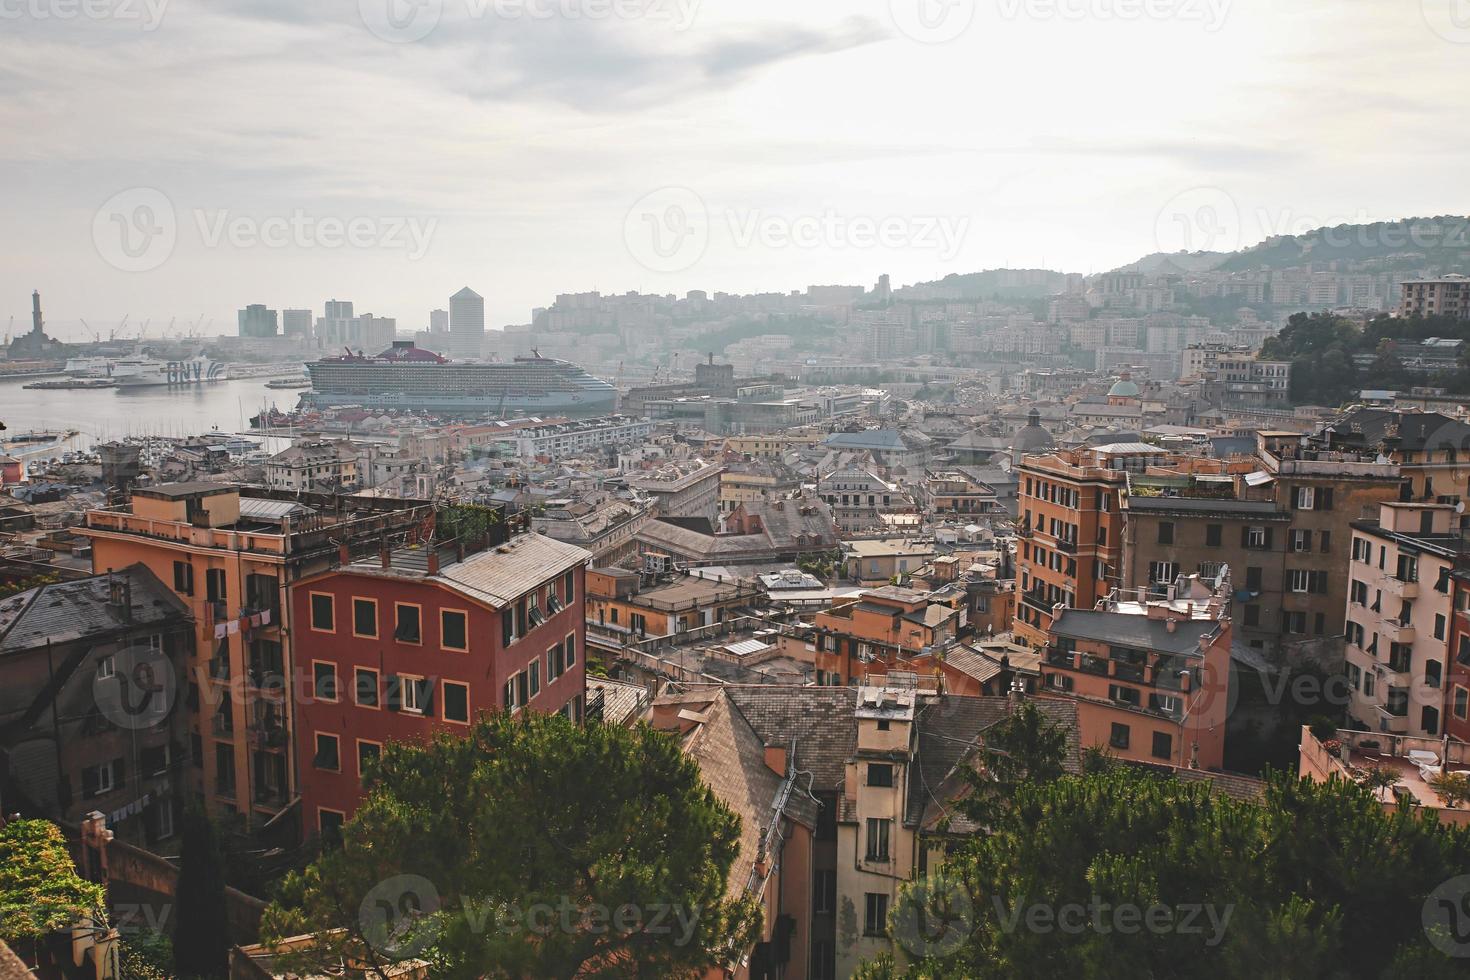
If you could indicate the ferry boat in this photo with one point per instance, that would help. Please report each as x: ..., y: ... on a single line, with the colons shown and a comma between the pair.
x: 72, y: 384
x: 143, y: 370
x: 87, y: 367
x: 407, y: 377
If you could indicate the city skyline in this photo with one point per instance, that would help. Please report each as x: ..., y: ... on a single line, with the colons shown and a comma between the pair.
x: 718, y: 114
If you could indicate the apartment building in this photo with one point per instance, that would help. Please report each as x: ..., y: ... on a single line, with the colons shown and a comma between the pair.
x: 773, y: 445
x: 414, y: 642
x: 756, y: 480
x: 845, y: 794
x: 1071, y: 530
x: 860, y: 499
x: 624, y: 601
x: 687, y: 489
x: 233, y: 556
x: 1447, y: 295
x: 890, y: 628
x: 1280, y: 522
x: 1457, y: 681
x: 91, y: 716
x: 581, y: 436
x: 1426, y: 446
x: 953, y: 493
x: 1149, y: 674
x: 1400, y: 617
x: 323, y: 465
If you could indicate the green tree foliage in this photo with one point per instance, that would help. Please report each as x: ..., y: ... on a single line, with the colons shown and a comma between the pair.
x: 1315, y: 880
x: 35, y: 581
x: 511, y: 852
x: 1321, y: 346
x: 201, y: 938
x: 40, y: 890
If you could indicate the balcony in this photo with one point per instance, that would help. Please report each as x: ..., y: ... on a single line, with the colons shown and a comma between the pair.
x: 1023, y: 531
x: 1066, y: 547
x: 1089, y: 664
x: 1059, y: 658
x: 1128, y: 672
x: 1397, y: 632
x: 1408, y: 589
x: 1037, y: 602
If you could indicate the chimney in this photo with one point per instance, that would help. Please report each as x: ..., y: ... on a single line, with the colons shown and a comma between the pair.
x: 776, y: 759
x: 433, y: 560
x: 344, y: 555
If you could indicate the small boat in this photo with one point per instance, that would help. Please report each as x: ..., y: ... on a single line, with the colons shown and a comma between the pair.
x: 71, y: 384
x: 289, y: 383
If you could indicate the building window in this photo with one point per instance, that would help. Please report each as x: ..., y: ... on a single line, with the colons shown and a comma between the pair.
x: 1162, y: 572
x: 1118, y: 739
x: 1433, y: 672
x: 880, y: 774
x: 1212, y: 535
x: 1301, y: 540
x: 365, y: 687
x: 417, y: 694
x: 453, y: 629
x: 878, y: 839
x: 324, y: 680
x: 100, y: 779
x: 533, y: 678
x: 224, y: 769
x: 1296, y: 580
x: 875, y: 914
x: 1257, y: 538
x: 407, y: 626
x: 824, y: 892
x: 1166, y: 532
x: 329, y: 825
x: 457, y: 702
x: 1123, y: 694
x: 365, y: 617
x: 368, y: 754
x: 1462, y: 703
x: 1253, y: 578
x: 105, y: 668
x: 1305, y: 496
x: 569, y: 587
x: 183, y: 578
x: 323, y: 612
x: 1429, y: 720
x: 1163, y: 747
x: 327, y: 756
x: 214, y: 584
x: 1439, y: 623
x: 571, y: 647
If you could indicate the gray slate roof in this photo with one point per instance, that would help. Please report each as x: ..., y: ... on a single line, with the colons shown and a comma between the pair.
x: 1127, y: 630
x: 67, y: 611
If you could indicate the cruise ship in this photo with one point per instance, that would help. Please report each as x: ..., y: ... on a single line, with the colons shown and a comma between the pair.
x: 408, y: 377
x: 143, y: 369
x: 87, y: 367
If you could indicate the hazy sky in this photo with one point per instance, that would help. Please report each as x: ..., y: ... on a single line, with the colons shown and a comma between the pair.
x: 185, y: 157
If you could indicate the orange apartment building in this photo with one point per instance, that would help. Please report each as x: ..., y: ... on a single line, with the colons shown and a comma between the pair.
x: 232, y: 555
x: 1150, y: 675
x: 627, y: 602
x: 1070, y: 530
x: 891, y: 628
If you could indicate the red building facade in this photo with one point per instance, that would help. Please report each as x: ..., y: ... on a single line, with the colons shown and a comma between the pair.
x: 399, y: 649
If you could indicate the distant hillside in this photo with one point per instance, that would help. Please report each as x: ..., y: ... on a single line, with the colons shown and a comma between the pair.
x: 989, y: 284
x: 1441, y: 243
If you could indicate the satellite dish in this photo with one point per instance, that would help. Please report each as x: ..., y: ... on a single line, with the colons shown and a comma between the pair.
x: 1459, y: 507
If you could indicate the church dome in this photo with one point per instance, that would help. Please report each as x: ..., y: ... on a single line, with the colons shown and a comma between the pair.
x: 1033, y: 438
x: 1124, y: 387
